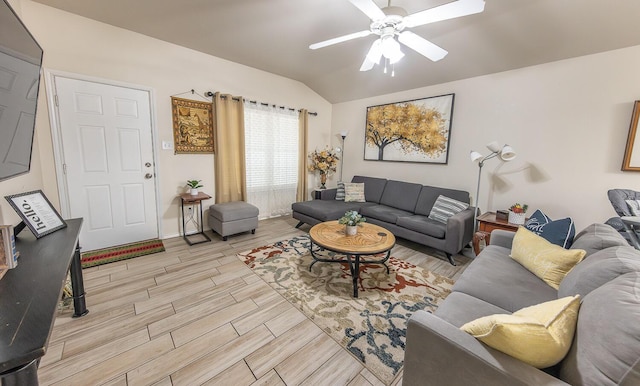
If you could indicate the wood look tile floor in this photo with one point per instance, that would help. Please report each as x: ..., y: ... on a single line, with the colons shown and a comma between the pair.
x: 198, y: 316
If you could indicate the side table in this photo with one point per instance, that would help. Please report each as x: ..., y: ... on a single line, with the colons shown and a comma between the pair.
x: 191, y: 200
x: 486, y: 223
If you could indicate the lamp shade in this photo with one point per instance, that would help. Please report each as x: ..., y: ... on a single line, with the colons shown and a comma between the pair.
x: 344, y: 133
x: 507, y: 153
x: 475, y: 156
x: 494, y: 146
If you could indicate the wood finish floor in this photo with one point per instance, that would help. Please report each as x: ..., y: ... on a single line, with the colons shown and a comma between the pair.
x: 198, y: 316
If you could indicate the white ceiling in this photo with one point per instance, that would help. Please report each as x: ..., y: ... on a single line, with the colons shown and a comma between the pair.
x: 274, y: 35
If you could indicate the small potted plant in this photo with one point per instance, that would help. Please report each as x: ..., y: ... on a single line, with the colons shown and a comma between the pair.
x: 352, y: 220
x: 193, y: 186
x: 517, y: 213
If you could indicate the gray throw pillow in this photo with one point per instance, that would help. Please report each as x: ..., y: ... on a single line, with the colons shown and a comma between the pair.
x: 340, y: 191
x: 596, y: 237
x: 446, y: 207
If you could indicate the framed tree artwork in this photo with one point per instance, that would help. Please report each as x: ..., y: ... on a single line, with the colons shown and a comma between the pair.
x: 410, y: 131
x: 192, y: 126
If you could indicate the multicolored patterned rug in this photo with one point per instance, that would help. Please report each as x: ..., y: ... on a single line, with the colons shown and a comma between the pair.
x: 371, y: 327
x: 121, y: 252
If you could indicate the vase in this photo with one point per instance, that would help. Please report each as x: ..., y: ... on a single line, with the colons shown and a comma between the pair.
x: 323, y: 180
x: 516, y: 218
x: 194, y: 192
x: 351, y: 230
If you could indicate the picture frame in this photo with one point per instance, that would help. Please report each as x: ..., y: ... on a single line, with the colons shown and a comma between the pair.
x: 193, y: 126
x: 36, y: 212
x: 416, y: 130
x: 631, y: 160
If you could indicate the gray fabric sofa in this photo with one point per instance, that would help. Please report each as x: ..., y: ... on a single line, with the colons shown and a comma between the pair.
x: 606, y: 345
x: 402, y: 208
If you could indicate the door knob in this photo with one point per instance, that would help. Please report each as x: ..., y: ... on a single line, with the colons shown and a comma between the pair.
x: 148, y: 175
x: 148, y: 164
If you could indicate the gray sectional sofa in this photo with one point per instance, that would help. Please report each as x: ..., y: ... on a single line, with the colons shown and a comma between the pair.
x: 606, y: 345
x: 402, y: 208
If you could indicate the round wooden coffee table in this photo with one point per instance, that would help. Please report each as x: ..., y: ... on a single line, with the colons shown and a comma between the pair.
x: 370, y: 240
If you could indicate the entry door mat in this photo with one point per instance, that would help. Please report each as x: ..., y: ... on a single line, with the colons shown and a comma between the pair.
x: 121, y: 252
x: 372, y: 327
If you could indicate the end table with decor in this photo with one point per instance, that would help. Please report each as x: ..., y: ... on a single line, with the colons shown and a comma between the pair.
x: 486, y: 223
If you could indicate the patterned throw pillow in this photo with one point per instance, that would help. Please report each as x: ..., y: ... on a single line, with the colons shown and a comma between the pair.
x: 559, y: 232
x: 354, y: 192
x: 539, y: 335
x: 634, y: 206
x: 340, y: 191
x: 446, y: 207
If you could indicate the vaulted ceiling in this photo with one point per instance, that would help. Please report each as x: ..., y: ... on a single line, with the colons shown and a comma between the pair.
x: 274, y: 36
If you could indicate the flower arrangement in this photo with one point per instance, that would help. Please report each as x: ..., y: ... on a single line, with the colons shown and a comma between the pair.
x: 519, y: 208
x: 324, y: 161
x: 351, y: 218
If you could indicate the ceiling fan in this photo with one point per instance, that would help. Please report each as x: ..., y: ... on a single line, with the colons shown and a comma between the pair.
x: 391, y: 21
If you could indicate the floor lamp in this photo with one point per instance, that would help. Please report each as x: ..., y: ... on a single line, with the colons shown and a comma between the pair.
x: 343, y: 134
x: 506, y: 153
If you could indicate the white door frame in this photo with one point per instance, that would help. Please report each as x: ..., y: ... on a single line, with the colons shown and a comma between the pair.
x: 56, y: 135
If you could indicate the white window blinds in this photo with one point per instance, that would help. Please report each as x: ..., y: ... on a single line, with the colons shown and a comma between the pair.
x: 271, y: 143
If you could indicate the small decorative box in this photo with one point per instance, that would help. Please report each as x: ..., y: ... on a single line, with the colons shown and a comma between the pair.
x: 502, y: 215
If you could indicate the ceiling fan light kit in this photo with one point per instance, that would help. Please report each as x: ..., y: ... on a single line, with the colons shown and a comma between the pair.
x: 390, y: 22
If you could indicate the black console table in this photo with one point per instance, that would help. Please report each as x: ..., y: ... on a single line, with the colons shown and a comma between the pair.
x: 29, y: 296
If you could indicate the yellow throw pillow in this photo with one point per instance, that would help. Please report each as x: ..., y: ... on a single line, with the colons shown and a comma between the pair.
x: 539, y: 335
x: 547, y: 261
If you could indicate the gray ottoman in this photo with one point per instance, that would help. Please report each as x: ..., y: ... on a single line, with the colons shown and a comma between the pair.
x: 230, y: 218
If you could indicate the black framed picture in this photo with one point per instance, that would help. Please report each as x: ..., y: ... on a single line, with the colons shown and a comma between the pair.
x: 36, y: 212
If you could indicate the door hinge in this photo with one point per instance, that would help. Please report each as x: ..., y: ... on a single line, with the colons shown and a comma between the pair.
x: 64, y: 168
x: 55, y: 100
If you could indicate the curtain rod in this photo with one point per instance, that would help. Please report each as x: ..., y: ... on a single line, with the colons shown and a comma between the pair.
x: 211, y: 94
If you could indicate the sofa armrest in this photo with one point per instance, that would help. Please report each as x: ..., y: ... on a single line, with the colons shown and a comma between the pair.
x: 459, y: 231
x: 502, y: 238
x: 439, y: 353
x: 328, y: 194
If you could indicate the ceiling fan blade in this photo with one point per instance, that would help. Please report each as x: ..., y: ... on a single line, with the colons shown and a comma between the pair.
x: 422, y: 46
x: 373, y: 56
x: 369, y: 8
x: 444, y: 12
x: 340, y: 39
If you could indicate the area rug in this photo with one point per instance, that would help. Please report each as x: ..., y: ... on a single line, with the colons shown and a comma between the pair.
x: 371, y: 327
x: 121, y: 252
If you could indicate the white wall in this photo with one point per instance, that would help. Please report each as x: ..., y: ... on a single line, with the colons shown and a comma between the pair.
x: 567, y: 120
x: 78, y: 45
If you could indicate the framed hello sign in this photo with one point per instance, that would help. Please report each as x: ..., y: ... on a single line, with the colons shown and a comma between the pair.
x: 36, y: 212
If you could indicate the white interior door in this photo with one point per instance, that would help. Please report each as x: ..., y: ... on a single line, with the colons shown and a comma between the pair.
x: 107, y: 148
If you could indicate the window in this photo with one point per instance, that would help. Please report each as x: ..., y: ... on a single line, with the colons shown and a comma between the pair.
x: 271, y: 147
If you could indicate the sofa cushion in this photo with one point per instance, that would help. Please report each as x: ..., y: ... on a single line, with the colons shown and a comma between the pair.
x: 401, y: 195
x: 326, y: 210
x: 354, y: 192
x: 340, y: 191
x: 539, y: 335
x: 548, y: 261
x: 559, y: 232
x: 459, y: 308
x: 429, y: 195
x: 607, y: 340
x: 373, y: 187
x: 598, y: 269
x: 446, y: 207
x: 423, y: 224
x: 384, y: 213
x: 492, y: 275
x: 596, y: 237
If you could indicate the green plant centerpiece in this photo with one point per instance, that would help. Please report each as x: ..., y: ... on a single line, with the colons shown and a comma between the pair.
x: 193, y: 186
x: 517, y: 213
x: 351, y: 219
